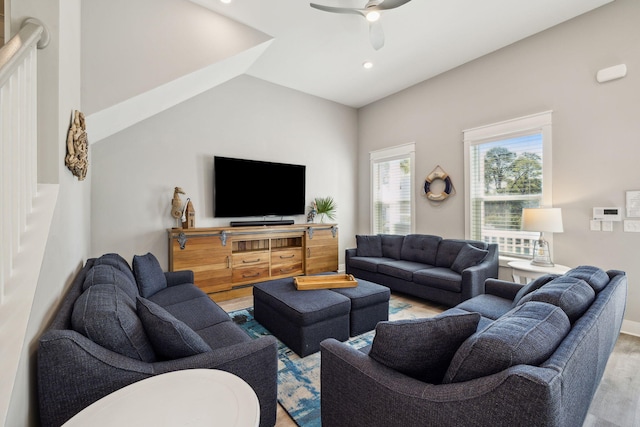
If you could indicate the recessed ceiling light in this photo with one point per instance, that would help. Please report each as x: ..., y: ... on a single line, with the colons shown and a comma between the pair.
x: 367, y: 65
x: 225, y: 1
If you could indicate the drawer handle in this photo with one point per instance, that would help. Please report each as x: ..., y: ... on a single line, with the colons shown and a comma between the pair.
x: 250, y: 261
x: 286, y: 270
x: 246, y: 276
x: 286, y: 257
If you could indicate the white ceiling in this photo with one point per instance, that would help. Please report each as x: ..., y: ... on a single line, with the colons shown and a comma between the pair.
x: 322, y: 53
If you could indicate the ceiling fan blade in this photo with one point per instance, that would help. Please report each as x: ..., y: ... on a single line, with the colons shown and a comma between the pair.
x: 335, y: 9
x: 376, y: 35
x: 390, y: 4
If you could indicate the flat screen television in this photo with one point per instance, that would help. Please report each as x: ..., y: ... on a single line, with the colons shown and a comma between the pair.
x: 252, y: 188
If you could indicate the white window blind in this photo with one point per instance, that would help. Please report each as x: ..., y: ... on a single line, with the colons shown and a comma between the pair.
x: 392, y: 201
x: 508, y: 168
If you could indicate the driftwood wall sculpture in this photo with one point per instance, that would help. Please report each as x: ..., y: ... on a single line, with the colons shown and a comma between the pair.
x: 77, y: 159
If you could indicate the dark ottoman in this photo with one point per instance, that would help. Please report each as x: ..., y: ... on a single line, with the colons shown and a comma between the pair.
x: 369, y: 305
x: 301, y: 319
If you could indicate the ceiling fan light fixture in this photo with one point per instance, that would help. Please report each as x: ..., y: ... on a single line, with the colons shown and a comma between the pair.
x: 372, y: 16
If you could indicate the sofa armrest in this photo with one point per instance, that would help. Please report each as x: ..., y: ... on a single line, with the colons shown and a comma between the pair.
x: 73, y: 372
x: 473, y: 278
x: 502, y: 288
x: 178, y: 277
x: 348, y: 254
x: 358, y: 391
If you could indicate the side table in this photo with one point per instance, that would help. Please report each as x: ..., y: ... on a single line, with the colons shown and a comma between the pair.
x: 192, y: 397
x: 523, y: 271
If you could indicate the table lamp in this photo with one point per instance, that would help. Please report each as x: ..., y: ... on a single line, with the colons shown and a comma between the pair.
x: 542, y: 220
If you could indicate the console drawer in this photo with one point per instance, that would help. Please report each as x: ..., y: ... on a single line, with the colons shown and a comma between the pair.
x: 251, y: 259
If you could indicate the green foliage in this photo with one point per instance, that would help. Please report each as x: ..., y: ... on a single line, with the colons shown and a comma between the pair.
x: 508, y: 173
x: 325, y: 206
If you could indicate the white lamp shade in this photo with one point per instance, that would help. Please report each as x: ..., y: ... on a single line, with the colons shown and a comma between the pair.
x: 542, y: 219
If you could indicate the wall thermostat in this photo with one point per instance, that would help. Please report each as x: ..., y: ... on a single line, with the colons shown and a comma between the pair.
x: 607, y: 214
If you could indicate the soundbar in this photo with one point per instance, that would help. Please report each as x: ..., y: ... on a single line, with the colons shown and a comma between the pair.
x: 259, y: 223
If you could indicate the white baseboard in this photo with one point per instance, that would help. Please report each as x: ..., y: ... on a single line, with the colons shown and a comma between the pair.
x: 631, y: 328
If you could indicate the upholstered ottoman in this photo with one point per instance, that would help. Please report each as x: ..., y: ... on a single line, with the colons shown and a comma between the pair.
x: 369, y: 305
x: 301, y: 319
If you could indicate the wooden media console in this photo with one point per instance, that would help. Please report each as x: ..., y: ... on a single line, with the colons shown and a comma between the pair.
x: 226, y: 261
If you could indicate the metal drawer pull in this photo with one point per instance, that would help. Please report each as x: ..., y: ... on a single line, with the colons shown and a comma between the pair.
x: 250, y: 261
x: 246, y: 276
x: 286, y: 257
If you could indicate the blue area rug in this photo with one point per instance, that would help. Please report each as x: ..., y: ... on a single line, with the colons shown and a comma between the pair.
x: 299, y: 378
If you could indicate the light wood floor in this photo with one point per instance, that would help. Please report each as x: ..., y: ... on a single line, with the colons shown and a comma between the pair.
x: 615, y: 404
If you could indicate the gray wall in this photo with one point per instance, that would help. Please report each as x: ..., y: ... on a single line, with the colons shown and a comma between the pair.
x: 595, y: 129
x: 136, y: 170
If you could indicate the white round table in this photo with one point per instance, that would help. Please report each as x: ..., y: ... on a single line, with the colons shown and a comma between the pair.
x: 193, y: 397
x: 523, y: 271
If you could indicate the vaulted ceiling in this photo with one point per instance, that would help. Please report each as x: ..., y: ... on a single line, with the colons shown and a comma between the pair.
x: 322, y: 53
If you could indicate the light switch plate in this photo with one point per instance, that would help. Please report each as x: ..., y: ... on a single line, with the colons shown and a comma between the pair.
x: 632, y: 226
x: 594, y: 225
x: 607, y: 226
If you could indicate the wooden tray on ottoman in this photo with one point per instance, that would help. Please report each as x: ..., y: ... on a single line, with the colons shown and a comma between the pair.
x: 332, y: 281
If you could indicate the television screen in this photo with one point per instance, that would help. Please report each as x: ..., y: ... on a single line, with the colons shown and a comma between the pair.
x: 244, y: 188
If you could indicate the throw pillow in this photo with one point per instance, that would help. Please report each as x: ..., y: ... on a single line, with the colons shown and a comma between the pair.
x: 107, y: 274
x: 532, y: 286
x: 149, y: 275
x: 528, y: 334
x: 572, y: 295
x: 107, y: 316
x: 369, y: 246
x: 422, y: 348
x: 594, y: 276
x: 171, y: 338
x: 118, y: 262
x: 468, y: 257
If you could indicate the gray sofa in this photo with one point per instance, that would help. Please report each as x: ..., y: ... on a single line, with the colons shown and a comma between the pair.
x: 447, y: 271
x: 118, y: 325
x: 528, y: 355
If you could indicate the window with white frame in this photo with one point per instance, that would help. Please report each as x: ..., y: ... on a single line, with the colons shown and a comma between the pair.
x: 392, y: 195
x: 508, y: 168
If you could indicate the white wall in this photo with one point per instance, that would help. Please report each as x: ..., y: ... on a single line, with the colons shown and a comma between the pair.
x: 136, y: 170
x: 595, y: 130
x: 130, y: 47
x: 68, y: 243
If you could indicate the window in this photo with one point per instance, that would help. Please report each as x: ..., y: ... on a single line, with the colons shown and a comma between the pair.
x: 508, y: 168
x: 392, y: 204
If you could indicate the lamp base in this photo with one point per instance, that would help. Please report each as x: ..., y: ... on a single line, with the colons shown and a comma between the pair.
x: 541, y: 254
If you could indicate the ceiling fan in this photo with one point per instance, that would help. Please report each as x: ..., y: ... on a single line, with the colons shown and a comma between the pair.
x: 371, y: 12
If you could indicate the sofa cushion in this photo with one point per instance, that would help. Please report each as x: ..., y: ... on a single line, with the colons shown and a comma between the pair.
x: 594, y: 276
x: 420, y: 248
x: 528, y: 334
x: 369, y: 246
x: 448, y: 250
x: 110, y: 275
x: 532, y: 286
x: 149, y: 275
x: 440, y: 278
x: 422, y: 348
x: 391, y: 245
x: 107, y: 316
x: 489, y: 306
x: 170, y: 337
x: 572, y: 295
x: 367, y: 263
x: 115, y: 260
x: 468, y: 257
x: 401, y: 269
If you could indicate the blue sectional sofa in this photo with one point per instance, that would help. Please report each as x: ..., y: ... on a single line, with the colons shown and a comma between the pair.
x: 447, y: 271
x: 118, y: 325
x: 529, y: 355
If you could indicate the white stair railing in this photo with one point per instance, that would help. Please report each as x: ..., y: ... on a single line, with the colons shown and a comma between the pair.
x: 18, y: 139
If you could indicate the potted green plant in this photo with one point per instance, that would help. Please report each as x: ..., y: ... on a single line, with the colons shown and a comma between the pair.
x: 325, y: 206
